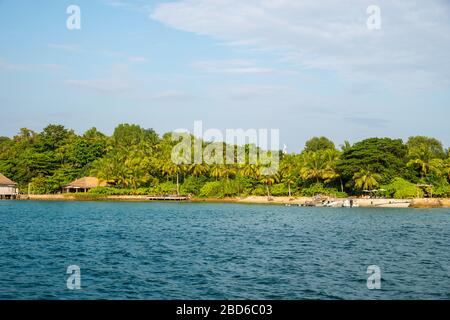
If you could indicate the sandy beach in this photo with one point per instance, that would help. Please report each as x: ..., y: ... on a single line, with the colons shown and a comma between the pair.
x: 361, y: 202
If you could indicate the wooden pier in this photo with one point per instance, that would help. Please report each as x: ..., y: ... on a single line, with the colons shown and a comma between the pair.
x: 8, y: 196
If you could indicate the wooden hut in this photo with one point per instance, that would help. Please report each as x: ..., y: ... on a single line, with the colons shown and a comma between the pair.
x: 84, y: 185
x: 8, y: 188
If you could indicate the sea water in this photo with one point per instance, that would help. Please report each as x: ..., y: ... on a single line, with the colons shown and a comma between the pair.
x: 149, y: 250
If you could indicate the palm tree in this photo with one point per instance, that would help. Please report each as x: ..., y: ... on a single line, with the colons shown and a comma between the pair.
x: 330, y: 173
x: 422, y: 158
x: 289, y: 179
x: 137, y: 172
x: 171, y: 169
x: 286, y: 174
x: 249, y: 170
x: 437, y: 166
x: 110, y: 169
x: 346, y: 146
x: 198, y: 169
x: 366, y: 180
x: 314, y: 164
x: 216, y: 172
x: 268, y: 181
x: 446, y: 169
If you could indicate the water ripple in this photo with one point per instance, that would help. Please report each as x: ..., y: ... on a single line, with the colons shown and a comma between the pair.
x: 220, y: 251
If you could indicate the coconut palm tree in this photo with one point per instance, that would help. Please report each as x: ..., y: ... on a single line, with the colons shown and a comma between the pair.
x: 289, y: 179
x: 216, y: 172
x: 366, y: 180
x: 171, y: 169
x: 198, y: 169
x: 446, y: 168
x: 268, y: 181
x: 314, y: 165
x: 136, y: 172
x: 422, y: 159
x: 250, y: 170
x: 286, y: 174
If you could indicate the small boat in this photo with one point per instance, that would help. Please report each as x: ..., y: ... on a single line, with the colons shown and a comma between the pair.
x: 333, y: 204
x: 350, y: 203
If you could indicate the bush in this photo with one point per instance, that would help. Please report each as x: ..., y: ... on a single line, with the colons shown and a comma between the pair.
x: 192, y: 185
x: 212, y: 189
x: 110, y: 191
x: 319, y: 189
x: 260, y: 190
x: 442, y: 191
x: 279, y: 189
x: 220, y: 189
x: 399, y: 188
x: 165, y: 188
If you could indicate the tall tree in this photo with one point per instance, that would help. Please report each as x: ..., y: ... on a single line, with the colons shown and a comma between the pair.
x: 318, y: 144
x: 383, y: 156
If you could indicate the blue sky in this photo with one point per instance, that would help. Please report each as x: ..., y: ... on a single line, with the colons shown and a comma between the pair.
x: 305, y: 67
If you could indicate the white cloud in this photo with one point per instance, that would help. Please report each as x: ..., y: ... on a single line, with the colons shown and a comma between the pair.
x: 118, y: 79
x: 8, y: 66
x: 5, y: 65
x: 411, y: 49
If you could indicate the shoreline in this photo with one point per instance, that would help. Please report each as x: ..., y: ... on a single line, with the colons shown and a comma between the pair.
x: 295, y: 201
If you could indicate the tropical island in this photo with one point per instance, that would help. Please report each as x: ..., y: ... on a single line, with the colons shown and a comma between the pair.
x: 134, y: 161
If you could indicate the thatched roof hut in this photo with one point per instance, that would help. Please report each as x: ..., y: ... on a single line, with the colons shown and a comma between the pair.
x: 8, y: 188
x: 84, y: 184
x: 4, y: 181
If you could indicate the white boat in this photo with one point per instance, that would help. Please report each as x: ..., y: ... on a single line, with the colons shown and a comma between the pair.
x: 333, y: 204
x: 350, y: 204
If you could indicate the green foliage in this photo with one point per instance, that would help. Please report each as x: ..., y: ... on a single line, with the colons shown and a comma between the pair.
x: 192, y: 185
x: 319, y: 189
x: 399, y: 188
x: 220, y: 189
x: 137, y: 161
x: 318, y: 144
x: 279, y: 189
x: 366, y: 180
x: 383, y: 156
x: 165, y: 188
x: 442, y: 191
x: 212, y: 189
x: 259, y: 190
x: 420, y: 146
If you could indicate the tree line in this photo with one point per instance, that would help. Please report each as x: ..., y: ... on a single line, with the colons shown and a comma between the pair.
x: 134, y: 160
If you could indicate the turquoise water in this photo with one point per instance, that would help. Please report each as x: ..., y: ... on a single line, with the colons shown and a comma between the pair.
x: 221, y: 251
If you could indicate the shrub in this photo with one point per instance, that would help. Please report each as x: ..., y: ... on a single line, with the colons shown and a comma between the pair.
x: 399, y: 188
x: 260, y: 190
x: 319, y: 189
x: 220, y: 189
x: 442, y: 191
x: 279, y: 189
x: 192, y: 185
x: 164, y: 188
x: 212, y: 189
x: 109, y: 191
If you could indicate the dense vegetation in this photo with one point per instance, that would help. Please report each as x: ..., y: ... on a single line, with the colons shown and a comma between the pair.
x: 138, y: 161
